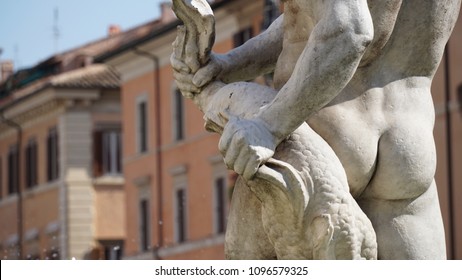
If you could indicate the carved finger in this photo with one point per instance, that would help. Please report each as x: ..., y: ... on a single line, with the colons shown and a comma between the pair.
x: 183, y: 77
x: 231, y: 155
x: 187, y: 94
x: 227, y: 135
x: 183, y: 82
x: 241, y: 161
x: 178, y: 65
x: 205, y: 74
x: 187, y: 87
x: 191, y: 57
x: 178, y: 44
x: 251, y: 168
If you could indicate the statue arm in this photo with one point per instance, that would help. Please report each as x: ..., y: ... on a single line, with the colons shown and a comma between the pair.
x: 339, y: 39
x: 255, y: 57
x: 326, y: 65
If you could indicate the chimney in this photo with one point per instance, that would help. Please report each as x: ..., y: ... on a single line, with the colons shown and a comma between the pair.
x: 167, y: 14
x: 6, y: 69
x: 113, y: 30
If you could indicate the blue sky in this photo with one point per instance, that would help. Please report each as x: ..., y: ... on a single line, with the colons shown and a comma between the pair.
x: 26, y: 26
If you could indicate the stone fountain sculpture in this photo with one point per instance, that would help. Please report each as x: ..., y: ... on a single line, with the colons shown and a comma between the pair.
x: 298, y: 197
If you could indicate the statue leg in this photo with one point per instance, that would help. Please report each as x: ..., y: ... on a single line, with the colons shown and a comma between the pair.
x: 245, y: 237
x: 401, y: 199
x: 408, y: 229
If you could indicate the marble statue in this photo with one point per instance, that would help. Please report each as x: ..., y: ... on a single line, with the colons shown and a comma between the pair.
x: 337, y: 161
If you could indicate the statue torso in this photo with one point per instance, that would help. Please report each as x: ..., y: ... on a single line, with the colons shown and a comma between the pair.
x: 390, y: 87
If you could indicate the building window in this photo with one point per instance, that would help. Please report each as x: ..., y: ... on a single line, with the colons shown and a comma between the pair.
x: 144, y: 225
x: 111, y: 152
x: 112, y: 249
x: 31, y: 163
x: 53, y: 254
x: 242, y: 36
x: 142, y: 126
x: 179, y: 195
x: 178, y: 116
x: 220, y: 205
x: 52, y: 155
x: 180, y: 215
x: 219, y: 191
x: 270, y: 13
x: 107, y: 152
x: 13, y: 170
x: 144, y: 212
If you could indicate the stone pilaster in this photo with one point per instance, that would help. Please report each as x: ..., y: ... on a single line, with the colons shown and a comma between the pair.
x: 77, y: 198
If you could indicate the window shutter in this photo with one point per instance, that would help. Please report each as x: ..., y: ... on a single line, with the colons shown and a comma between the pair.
x: 35, y: 163
x: 49, y: 156
x: 28, y: 166
x: 119, y: 152
x: 97, y: 153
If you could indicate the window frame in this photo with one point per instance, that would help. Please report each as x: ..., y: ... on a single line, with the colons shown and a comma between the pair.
x: 12, y: 167
x: 144, y: 206
x: 53, y: 154
x: 219, y: 170
x: 242, y: 36
x: 113, y: 249
x: 180, y: 226
x: 220, y: 205
x: 142, y: 124
x: 31, y: 163
x: 179, y: 175
x: 178, y: 116
x: 111, y: 152
x: 144, y: 236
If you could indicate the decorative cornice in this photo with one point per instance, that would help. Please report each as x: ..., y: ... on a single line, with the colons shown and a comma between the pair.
x: 45, y: 102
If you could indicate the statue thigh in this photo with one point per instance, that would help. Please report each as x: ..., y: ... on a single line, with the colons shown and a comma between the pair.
x: 401, y: 200
x: 409, y: 229
x: 245, y: 236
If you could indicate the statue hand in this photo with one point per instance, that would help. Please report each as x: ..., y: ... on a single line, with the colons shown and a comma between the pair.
x: 246, y: 144
x: 211, y: 71
x: 183, y: 77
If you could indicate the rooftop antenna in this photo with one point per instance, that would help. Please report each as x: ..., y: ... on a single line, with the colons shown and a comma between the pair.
x: 56, y: 33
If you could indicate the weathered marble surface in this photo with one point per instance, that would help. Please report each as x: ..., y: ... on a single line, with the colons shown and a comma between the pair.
x: 356, y: 179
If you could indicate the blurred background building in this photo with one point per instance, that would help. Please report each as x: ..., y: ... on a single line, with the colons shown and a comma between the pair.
x: 102, y: 158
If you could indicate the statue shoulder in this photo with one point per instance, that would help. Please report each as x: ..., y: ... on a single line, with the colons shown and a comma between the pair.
x: 420, y: 34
